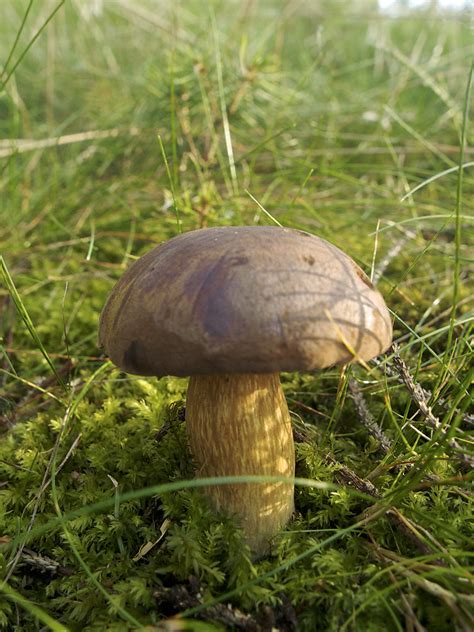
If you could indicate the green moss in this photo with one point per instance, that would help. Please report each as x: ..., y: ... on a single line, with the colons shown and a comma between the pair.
x: 118, y: 425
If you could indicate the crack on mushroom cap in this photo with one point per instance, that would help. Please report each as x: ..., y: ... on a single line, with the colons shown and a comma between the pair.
x: 238, y: 299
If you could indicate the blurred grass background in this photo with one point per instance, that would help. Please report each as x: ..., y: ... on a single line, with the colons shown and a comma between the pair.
x: 329, y: 115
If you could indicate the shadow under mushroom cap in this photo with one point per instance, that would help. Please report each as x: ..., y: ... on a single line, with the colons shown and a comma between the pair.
x: 243, y: 300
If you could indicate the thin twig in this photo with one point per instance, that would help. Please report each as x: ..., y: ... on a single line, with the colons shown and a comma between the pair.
x: 421, y: 402
x: 175, y: 599
x: 44, y: 564
x: 459, y: 602
x: 391, y: 371
x: 349, y: 477
x: 44, y: 485
x: 410, y: 616
x: 407, y: 526
x: 367, y: 419
x: 22, y: 145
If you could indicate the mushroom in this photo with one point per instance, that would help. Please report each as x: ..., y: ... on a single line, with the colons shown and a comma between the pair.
x: 232, y: 307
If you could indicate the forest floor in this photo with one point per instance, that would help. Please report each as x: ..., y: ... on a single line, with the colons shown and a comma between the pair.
x: 116, y: 121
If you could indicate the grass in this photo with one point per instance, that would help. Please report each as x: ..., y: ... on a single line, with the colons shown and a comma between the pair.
x: 122, y: 125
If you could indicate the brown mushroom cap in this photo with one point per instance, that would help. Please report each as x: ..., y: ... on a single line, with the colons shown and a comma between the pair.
x: 243, y: 300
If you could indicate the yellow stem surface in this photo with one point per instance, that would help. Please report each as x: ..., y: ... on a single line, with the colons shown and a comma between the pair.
x: 239, y: 424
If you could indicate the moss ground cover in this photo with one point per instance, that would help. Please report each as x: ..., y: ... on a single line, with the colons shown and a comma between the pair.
x: 121, y: 124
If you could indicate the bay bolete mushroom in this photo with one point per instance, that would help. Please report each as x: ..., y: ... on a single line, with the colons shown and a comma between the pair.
x: 232, y: 307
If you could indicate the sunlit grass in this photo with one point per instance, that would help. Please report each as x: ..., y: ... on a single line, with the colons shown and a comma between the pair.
x: 123, y: 123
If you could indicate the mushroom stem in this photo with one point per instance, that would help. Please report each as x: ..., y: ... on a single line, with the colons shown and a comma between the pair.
x: 239, y: 424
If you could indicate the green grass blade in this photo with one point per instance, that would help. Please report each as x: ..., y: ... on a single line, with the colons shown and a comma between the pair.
x: 17, y: 39
x: 32, y: 608
x: 171, y: 183
x: 223, y: 106
x: 459, y: 190
x: 20, y: 306
x: 33, y: 40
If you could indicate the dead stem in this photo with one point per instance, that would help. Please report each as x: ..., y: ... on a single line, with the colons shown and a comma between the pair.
x: 459, y: 603
x: 418, y: 396
x: 367, y: 418
x: 385, y: 365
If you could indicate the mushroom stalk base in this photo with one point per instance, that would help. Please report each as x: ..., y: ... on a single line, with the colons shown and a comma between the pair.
x: 237, y: 425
